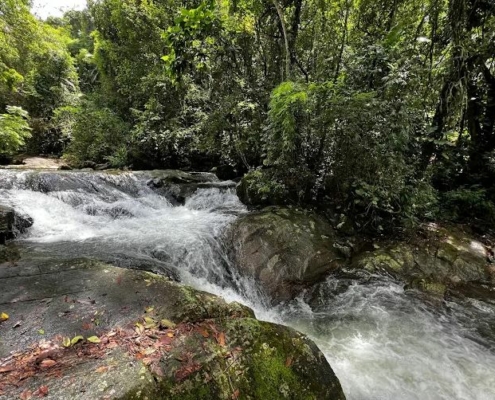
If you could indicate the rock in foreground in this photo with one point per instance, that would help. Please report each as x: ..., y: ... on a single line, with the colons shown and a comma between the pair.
x: 137, y: 335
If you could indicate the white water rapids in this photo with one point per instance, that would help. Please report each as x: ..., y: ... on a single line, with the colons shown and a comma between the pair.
x: 382, y: 342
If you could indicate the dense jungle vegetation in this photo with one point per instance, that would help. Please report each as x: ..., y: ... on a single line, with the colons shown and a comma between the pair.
x: 382, y: 111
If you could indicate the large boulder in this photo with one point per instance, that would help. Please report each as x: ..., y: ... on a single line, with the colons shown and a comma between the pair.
x: 286, y: 250
x: 135, y: 335
x: 440, y: 261
x: 12, y: 223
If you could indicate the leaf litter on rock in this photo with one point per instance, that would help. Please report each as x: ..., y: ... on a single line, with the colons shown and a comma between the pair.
x: 149, y: 343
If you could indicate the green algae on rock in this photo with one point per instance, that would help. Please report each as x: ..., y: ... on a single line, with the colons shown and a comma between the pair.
x: 445, y: 260
x: 209, y: 349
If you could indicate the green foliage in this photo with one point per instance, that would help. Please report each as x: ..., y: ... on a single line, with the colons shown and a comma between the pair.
x: 373, y: 108
x: 469, y: 204
x: 261, y: 187
x: 97, y: 134
x: 189, y: 39
x: 14, y: 130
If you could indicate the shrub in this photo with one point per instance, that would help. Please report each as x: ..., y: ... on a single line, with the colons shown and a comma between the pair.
x: 14, y: 130
x: 96, y: 134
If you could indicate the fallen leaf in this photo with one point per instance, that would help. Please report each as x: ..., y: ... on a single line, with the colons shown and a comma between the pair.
x: 139, y: 328
x: 235, y: 395
x: 149, y: 309
x: 156, y: 369
x: 288, y: 362
x: 76, y: 339
x: 66, y: 342
x: 170, y: 334
x: 4, y: 317
x: 26, y: 395
x: 42, y: 391
x: 47, y: 363
x: 112, y: 345
x: 6, y: 369
x: 93, y: 339
x: 165, y: 323
x: 41, y: 331
x: 150, y: 323
x: 204, y: 332
x: 221, y: 339
x: 165, y: 340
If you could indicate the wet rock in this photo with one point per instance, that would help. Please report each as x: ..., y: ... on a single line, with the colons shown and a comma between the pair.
x: 7, y: 217
x: 442, y: 260
x: 65, y: 167
x: 22, y: 223
x: 177, y: 186
x: 285, y: 250
x: 194, y: 344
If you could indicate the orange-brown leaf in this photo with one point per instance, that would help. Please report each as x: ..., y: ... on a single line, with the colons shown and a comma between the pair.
x: 221, y: 339
x: 204, y: 332
x: 26, y: 395
x: 42, y: 391
x: 235, y: 395
x: 47, y: 363
x: 6, y: 369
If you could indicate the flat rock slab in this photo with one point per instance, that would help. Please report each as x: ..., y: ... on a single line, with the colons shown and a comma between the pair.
x: 138, y: 335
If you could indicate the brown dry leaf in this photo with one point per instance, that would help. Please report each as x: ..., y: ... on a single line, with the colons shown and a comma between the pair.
x: 235, y: 395
x: 147, y: 361
x: 112, y: 345
x: 288, y: 362
x: 170, y: 334
x: 48, y: 363
x: 26, y: 395
x: 165, y: 340
x: 42, y: 391
x: 204, y: 332
x: 155, y: 369
x: 6, y: 369
x: 221, y: 339
x: 102, y: 369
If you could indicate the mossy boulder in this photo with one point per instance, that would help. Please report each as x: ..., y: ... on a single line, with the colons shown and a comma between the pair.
x: 436, y: 262
x: 156, y: 339
x: 286, y: 250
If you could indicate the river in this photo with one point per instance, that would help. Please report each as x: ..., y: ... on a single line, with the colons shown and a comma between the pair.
x: 382, y: 342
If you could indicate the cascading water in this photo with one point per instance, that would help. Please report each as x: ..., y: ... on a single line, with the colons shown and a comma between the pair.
x: 382, y: 342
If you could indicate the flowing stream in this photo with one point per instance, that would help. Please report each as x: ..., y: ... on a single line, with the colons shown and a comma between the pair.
x: 382, y: 342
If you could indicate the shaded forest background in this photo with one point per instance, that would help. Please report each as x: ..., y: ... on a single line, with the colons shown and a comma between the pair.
x: 382, y: 111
